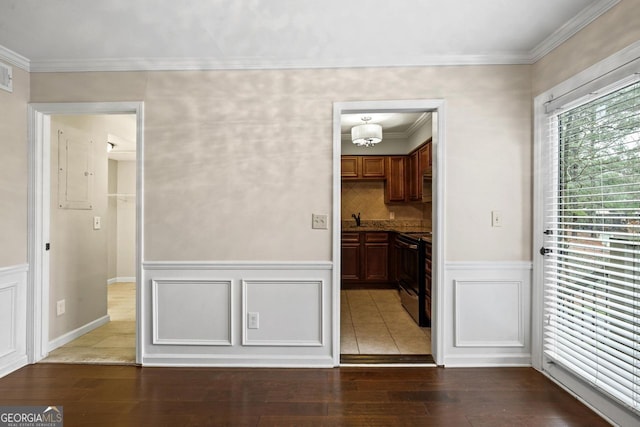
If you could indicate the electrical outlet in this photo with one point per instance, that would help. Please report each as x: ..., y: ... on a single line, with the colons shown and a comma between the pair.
x: 496, y: 219
x: 97, y: 223
x: 254, y: 320
x: 319, y: 221
x: 60, y: 307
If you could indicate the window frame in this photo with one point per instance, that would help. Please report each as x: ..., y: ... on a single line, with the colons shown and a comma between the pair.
x: 620, y: 67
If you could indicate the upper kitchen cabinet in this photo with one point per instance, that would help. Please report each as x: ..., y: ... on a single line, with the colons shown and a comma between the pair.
x: 396, y: 184
x: 415, y: 177
x: 362, y: 167
x: 425, y: 154
x: 419, y: 168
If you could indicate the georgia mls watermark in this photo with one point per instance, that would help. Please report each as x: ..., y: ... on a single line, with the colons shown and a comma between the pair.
x: 31, y: 416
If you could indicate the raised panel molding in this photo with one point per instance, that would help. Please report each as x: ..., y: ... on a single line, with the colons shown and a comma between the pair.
x: 488, y: 314
x: 13, y: 318
x: 192, y: 312
x: 8, y: 315
x: 285, y: 338
x: 298, y: 321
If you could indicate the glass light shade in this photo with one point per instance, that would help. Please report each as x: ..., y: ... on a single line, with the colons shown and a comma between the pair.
x: 366, y: 135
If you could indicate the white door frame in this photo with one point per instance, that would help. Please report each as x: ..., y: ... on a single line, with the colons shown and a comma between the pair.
x: 438, y: 209
x: 39, y: 135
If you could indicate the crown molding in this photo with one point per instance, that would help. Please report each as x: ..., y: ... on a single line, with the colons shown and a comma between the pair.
x: 570, y: 28
x: 423, y: 119
x: 13, y: 58
x: 198, y: 64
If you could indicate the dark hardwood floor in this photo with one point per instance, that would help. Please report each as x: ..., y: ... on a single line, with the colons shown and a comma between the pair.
x: 93, y: 395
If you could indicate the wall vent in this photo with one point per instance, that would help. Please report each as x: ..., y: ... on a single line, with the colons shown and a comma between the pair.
x: 6, y: 77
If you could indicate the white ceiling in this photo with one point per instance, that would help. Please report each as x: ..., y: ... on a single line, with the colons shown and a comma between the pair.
x: 400, y: 124
x: 60, y: 35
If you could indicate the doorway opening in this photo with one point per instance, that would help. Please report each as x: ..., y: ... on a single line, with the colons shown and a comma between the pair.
x: 386, y: 193
x: 86, y: 208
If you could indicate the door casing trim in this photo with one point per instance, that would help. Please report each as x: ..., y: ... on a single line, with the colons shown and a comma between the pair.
x: 438, y: 208
x: 39, y: 133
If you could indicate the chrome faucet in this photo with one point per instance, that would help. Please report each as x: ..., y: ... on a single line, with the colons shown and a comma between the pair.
x: 357, y: 218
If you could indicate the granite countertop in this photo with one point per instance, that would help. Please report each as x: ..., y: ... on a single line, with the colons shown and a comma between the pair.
x: 398, y: 226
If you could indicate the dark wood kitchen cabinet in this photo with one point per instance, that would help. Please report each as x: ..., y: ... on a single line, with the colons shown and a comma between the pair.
x: 350, y: 261
x: 419, y: 167
x: 426, y: 157
x: 365, y: 259
x: 376, y: 256
x: 415, y: 177
x: 362, y: 167
x: 396, y: 185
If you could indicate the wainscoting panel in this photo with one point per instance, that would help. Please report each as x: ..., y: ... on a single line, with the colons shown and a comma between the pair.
x: 480, y: 325
x: 487, y: 312
x: 192, y: 312
x: 195, y: 314
x: 8, y: 317
x: 299, y: 325
x: 13, y: 318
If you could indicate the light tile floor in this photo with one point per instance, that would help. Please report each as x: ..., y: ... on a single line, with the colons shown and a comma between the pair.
x: 113, y: 342
x: 374, y: 322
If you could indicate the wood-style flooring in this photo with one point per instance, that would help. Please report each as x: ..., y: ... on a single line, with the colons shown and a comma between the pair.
x: 94, y: 395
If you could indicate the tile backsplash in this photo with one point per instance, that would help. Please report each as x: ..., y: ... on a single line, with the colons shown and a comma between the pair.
x: 367, y: 198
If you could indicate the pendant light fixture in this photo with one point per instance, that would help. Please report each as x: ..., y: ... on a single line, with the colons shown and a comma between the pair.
x: 367, y: 134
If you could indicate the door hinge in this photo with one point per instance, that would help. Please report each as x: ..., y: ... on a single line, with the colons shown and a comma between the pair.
x: 544, y: 251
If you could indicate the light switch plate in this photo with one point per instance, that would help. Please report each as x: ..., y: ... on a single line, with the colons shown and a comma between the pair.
x: 319, y: 221
x: 496, y: 219
x: 97, y: 223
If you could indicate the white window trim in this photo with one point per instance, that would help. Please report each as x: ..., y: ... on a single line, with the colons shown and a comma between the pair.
x: 598, y: 75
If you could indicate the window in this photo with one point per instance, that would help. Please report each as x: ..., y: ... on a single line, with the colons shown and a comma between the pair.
x: 592, y: 239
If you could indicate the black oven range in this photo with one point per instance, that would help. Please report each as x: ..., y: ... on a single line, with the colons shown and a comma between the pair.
x: 413, y: 264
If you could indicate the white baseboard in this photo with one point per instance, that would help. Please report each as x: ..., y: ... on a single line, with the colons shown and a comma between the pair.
x: 13, y: 366
x: 121, y: 280
x: 77, y: 333
x: 237, y: 361
x: 488, y: 361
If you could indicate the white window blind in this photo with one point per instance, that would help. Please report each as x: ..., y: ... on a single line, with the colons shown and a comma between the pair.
x: 592, y: 240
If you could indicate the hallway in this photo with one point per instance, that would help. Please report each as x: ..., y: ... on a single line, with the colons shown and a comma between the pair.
x: 112, y: 343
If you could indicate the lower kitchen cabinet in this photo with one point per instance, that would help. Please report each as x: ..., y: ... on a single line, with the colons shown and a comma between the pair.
x: 376, y: 257
x: 365, y: 259
x: 350, y: 263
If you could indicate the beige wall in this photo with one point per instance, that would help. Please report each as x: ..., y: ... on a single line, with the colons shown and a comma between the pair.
x: 126, y: 211
x: 613, y: 31
x: 14, y: 171
x: 112, y: 220
x: 237, y: 161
